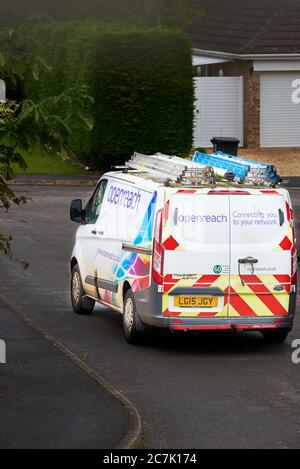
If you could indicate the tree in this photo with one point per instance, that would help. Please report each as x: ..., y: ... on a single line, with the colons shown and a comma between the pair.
x: 33, y: 127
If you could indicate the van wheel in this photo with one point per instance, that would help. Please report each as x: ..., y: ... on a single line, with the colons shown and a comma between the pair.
x: 276, y: 336
x: 81, y: 304
x: 134, y: 330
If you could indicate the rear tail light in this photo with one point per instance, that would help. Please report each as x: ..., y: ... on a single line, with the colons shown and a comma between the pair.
x: 294, y: 259
x: 158, y: 250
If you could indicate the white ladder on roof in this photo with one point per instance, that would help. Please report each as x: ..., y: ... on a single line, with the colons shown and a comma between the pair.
x: 171, y: 168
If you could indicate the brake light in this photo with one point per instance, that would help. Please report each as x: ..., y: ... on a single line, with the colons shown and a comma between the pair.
x: 228, y: 192
x: 158, y: 250
x: 294, y: 259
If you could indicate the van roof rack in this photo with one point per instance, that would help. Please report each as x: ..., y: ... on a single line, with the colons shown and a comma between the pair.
x: 172, y: 169
x: 204, y: 169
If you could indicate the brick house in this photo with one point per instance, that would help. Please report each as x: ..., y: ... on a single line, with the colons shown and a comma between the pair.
x: 247, y: 64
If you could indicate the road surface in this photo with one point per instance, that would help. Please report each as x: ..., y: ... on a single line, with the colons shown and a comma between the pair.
x: 47, y: 401
x: 208, y: 391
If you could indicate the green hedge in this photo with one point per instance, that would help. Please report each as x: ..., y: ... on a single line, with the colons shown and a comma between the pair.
x: 141, y: 80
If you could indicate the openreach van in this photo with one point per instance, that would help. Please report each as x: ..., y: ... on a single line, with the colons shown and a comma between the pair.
x: 189, y: 246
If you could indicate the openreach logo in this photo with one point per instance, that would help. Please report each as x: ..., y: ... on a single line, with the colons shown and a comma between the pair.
x: 296, y: 352
x: 125, y: 198
x: 2, y: 352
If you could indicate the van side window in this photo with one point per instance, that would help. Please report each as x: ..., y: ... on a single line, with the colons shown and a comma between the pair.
x: 94, y: 205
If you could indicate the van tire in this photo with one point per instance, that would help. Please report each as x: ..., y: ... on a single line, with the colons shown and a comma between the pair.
x: 81, y: 304
x: 276, y: 336
x: 133, y: 328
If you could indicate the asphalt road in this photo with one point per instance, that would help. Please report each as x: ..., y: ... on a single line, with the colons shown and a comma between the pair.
x: 49, y: 402
x: 207, y: 391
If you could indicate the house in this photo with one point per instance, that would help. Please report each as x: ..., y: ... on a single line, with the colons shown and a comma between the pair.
x: 247, y: 62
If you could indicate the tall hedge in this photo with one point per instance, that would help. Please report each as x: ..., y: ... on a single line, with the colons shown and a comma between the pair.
x: 141, y: 80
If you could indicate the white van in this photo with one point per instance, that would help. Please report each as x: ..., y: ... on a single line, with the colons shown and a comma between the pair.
x: 187, y: 258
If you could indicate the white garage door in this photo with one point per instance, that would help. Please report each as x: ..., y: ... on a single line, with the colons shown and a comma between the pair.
x: 218, y: 110
x: 280, y: 109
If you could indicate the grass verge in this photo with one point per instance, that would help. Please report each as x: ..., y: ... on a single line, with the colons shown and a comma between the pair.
x: 52, y: 165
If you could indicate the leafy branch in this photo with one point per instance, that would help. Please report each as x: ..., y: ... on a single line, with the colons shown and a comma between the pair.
x: 39, y: 128
x: 14, y: 62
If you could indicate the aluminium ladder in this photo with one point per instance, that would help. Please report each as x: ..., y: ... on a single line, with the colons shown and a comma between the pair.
x: 171, y: 168
x: 204, y: 169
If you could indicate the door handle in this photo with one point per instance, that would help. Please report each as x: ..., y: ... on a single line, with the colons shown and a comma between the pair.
x: 281, y: 217
x: 100, y: 233
x: 175, y: 216
x: 248, y: 260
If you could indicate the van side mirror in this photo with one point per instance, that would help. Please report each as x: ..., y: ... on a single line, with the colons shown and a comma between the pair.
x: 76, y: 212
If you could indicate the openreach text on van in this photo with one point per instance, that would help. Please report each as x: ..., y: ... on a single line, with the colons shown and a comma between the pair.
x: 127, y: 199
x: 222, y: 218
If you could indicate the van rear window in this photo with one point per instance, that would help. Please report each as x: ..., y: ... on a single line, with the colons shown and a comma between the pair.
x: 257, y: 219
x: 199, y: 219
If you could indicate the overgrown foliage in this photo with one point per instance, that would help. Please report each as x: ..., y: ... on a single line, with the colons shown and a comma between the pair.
x: 42, y: 126
x: 141, y: 80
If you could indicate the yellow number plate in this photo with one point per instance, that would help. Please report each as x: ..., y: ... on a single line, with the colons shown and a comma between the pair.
x: 183, y: 301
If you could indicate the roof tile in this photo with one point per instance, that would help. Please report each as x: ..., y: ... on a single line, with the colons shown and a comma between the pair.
x: 261, y: 27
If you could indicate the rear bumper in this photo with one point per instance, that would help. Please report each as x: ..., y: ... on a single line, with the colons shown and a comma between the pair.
x: 229, y: 324
x: 232, y: 324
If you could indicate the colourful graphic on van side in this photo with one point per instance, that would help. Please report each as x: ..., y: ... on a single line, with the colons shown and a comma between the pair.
x: 136, y: 267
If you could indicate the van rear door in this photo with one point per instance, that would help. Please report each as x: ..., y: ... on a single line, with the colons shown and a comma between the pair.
x: 261, y: 239
x: 196, y: 255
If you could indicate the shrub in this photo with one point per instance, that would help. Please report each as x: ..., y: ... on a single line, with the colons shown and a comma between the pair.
x: 141, y: 80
